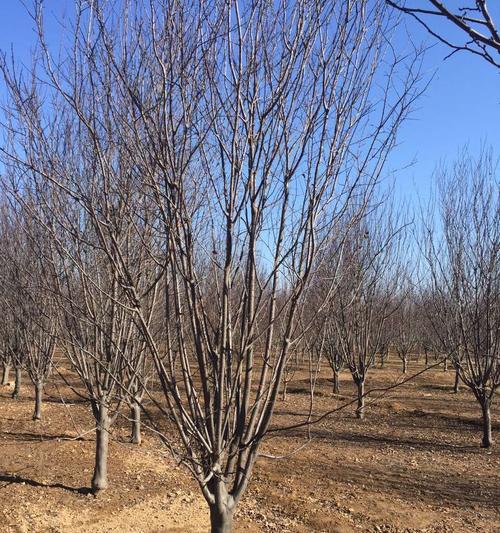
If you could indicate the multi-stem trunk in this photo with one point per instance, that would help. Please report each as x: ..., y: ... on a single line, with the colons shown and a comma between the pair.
x: 360, y: 410
x: 487, y: 439
x: 100, y: 478
x: 37, y: 415
x: 135, y: 411
x: 5, y: 373
x: 17, y: 386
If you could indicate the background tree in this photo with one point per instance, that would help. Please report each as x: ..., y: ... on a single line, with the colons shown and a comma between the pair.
x: 463, y: 255
x: 404, y: 329
x: 332, y: 351
x: 369, y: 291
x: 5, y: 358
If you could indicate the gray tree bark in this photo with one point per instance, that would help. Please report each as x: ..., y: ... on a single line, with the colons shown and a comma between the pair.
x: 284, y: 391
x: 221, y: 520
x: 5, y: 374
x: 360, y: 411
x: 17, y: 387
x: 100, y: 478
x: 37, y: 415
x: 405, y: 365
x: 222, y: 509
x: 487, y: 439
x: 136, y: 437
x: 336, y: 387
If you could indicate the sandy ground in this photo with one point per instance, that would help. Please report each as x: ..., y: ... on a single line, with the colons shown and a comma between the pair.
x: 413, y: 465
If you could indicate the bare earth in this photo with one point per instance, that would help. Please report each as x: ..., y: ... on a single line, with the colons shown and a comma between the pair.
x: 413, y: 465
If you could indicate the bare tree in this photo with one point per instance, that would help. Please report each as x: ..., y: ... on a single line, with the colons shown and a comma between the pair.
x: 326, y: 342
x: 31, y: 302
x: 369, y: 292
x: 5, y: 356
x: 464, y: 261
x: 14, y: 347
x: 476, y: 30
x: 252, y: 129
x: 404, y: 329
x: 14, y: 350
x: 97, y: 331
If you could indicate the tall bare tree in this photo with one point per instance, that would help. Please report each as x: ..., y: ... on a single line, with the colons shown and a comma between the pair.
x: 463, y: 255
x: 251, y: 129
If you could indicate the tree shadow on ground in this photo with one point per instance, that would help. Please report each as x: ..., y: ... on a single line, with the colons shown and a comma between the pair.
x: 378, y: 440
x: 20, y: 436
x: 13, y: 479
x: 66, y: 401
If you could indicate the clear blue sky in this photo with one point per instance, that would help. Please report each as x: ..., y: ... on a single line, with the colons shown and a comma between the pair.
x: 461, y: 105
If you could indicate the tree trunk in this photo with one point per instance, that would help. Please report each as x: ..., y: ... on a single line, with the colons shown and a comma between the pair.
x: 221, y: 520
x: 360, y: 411
x: 37, y: 415
x: 5, y: 374
x: 445, y: 365
x: 405, y: 365
x: 336, y: 387
x: 456, y: 386
x: 284, y: 391
x: 487, y: 440
x: 100, y: 479
x: 426, y: 358
x: 17, y: 387
x: 136, y: 423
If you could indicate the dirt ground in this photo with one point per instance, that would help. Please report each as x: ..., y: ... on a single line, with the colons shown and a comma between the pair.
x: 413, y: 465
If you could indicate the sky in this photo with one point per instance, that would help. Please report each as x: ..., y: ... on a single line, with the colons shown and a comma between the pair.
x: 460, y: 107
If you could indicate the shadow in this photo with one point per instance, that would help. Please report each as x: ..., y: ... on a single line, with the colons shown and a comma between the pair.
x: 30, y: 437
x: 415, y: 443
x: 307, y: 391
x: 439, y: 387
x: 459, y: 490
x: 384, y: 440
x: 11, y: 480
x: 72, y: 401
x: 451, y: 420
